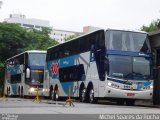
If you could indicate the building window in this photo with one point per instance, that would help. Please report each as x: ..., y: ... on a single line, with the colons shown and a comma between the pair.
x: 10, y: 15
x: 38, y: 26
x: 27, y: 25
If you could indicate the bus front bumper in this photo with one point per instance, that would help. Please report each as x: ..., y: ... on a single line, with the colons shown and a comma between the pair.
x: 128, y: 94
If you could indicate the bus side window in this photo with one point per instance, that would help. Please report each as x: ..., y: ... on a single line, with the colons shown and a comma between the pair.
x: 16, y: 62
x: 106, y: 65
x: 117, y: 43
x: 26, y: 61
x: 15, y: 78
x: 73, y: 73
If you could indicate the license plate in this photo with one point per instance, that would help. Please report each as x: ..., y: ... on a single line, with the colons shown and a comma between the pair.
x: 130, y: 94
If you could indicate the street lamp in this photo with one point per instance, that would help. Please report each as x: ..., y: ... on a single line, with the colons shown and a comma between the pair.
x: 1, y: 3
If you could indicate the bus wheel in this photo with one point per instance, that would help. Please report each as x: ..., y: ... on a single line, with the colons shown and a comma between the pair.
x: 92, y: 99
x: 51, y: 93
x: 22, y: 93
x: 120, y: 102
x: 130, y: 102
x: 19, y: 91
x: 7, y: 91
x: 82, y: 95
x: 55, y: 95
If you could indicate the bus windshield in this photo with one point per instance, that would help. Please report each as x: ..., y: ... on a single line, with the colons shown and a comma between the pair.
x: 127, y: 41
x: 37, y: 59
x: 37, y: 76
x: 128, y: 67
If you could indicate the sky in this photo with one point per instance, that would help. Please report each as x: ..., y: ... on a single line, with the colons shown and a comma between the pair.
x: 72, y: 15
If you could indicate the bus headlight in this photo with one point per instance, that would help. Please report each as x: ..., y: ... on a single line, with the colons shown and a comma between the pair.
x: 109, y: 83
x: 151, y: 86
x: 148, y: 87
x: 31, y: 89
x: 112, y: 85
x: 44, y: 90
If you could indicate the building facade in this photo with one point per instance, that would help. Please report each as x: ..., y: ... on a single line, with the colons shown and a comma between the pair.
x: 87, y: 29
x: 61, y: 35
x: 1, y: 3
x: 58, y: 35
x: 27, y: 23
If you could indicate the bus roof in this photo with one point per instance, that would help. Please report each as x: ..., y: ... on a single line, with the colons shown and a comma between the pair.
x: 96, y: 31
x: 28, y: 51
x: 76, y: 38
x: 128, y: 30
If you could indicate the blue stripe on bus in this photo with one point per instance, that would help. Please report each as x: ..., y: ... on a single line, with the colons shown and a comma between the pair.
x: 14, y: 69
x: 66, y: 62
x: 69, y: 61
x: 63, y: 62
x: 140, y: 84
x: 143, y: 84
x: 116, y: 52
x: 14, y: 88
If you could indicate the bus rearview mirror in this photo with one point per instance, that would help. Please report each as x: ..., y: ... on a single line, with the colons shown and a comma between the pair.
x: 27, y: 73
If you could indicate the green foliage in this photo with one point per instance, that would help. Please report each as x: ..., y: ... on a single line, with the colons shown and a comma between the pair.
x: 40, y: 39
x: 1, y: 78
x: 14, y: 39
x: 71, y: 37
x: 154, y: 26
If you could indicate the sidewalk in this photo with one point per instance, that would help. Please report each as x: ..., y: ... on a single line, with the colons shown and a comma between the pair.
x: 146, y: 103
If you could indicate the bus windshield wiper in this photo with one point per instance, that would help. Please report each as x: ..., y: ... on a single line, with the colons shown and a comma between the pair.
x: 135, y: 74
x: 138, y: 74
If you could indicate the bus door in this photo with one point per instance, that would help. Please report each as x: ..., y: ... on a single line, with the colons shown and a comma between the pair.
x: 156, y: 90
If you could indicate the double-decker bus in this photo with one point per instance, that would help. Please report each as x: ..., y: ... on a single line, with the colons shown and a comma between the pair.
x: 104, y: 64
x: 24, y: 73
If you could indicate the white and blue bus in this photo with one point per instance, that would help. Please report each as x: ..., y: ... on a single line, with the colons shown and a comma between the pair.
x: 104, y: 64
x: 24, y: 72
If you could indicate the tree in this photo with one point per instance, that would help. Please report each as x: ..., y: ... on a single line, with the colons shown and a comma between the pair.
x: 40, y: 39
x: 14, y: 39
x: 154, y: 26
x: 71, y: 37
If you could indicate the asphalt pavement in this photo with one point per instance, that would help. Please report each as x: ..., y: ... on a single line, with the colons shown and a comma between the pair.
x: 26, y: 107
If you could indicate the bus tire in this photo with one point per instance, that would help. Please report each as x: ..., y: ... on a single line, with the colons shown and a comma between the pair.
x: 7, y: 91
x: 55, y: 95
x: 19, y: 91
x: 51, y: 93
x: 82, y: 95
x: 22, y: 95
x: 91, y: 97
x: 130, y: 102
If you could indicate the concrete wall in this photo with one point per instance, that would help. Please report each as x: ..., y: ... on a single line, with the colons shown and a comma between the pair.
x: 155, y: 39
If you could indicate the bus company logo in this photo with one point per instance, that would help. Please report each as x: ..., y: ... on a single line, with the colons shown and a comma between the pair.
x: 55, y: 68
x: 141, y: 84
